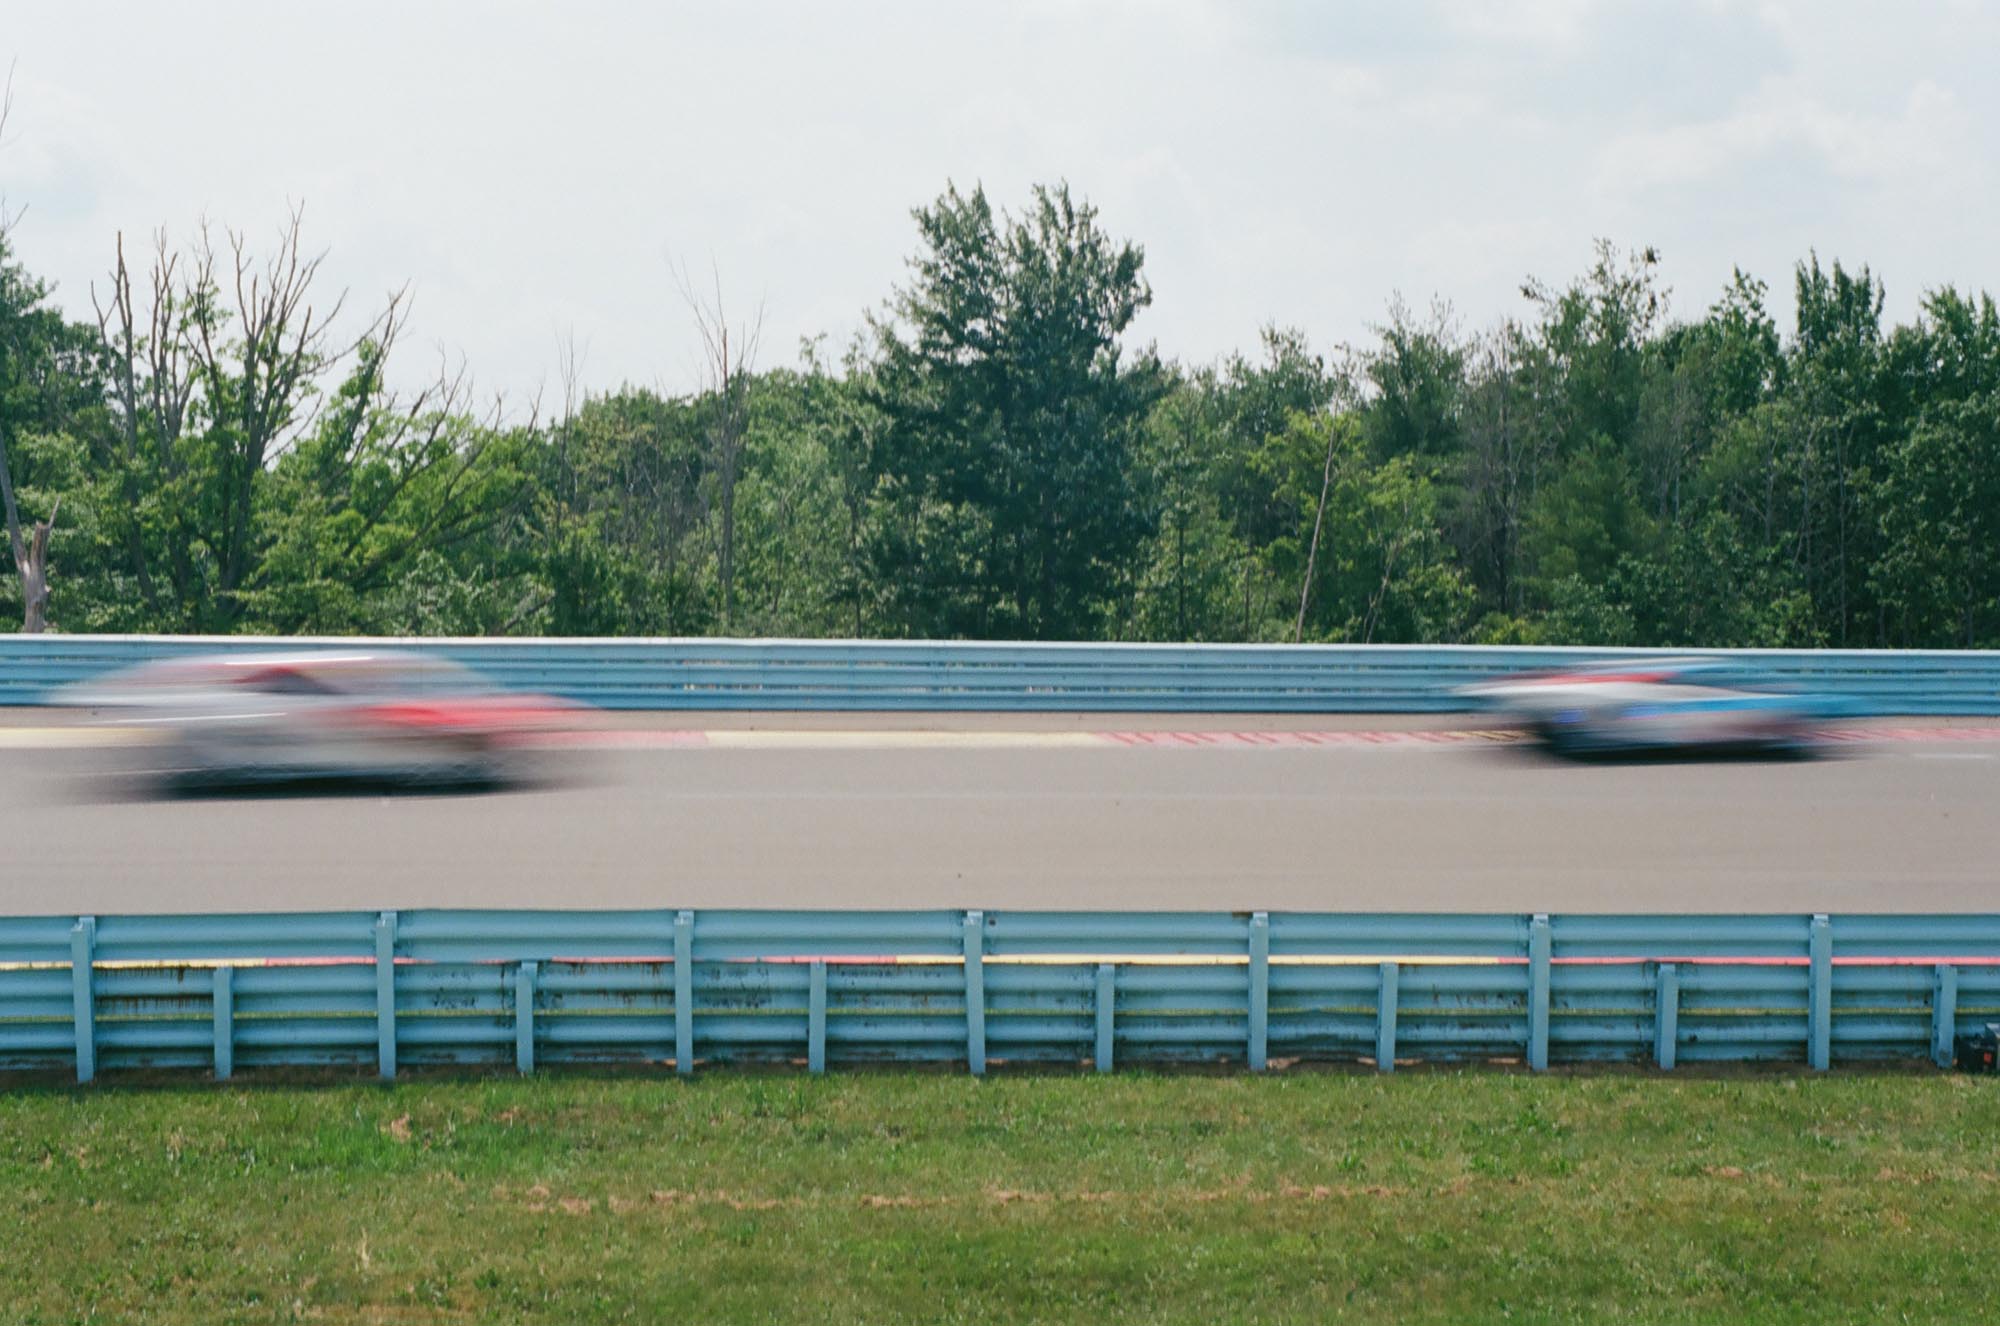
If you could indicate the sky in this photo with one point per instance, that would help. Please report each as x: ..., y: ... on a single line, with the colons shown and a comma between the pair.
x: 535, y: 173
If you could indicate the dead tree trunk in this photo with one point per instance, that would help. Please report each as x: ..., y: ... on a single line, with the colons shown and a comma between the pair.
x: 31, y: 554
x: 35, y: 578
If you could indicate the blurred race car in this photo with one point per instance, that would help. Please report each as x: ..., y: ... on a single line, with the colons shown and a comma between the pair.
x: 258, y: 717
x: 1658, y: 705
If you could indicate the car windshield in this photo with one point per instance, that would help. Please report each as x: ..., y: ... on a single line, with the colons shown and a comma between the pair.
x: 1724, y: 676
x: 401, y: 675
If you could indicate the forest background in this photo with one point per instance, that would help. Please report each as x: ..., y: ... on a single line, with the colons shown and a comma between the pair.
x: 998, y: 456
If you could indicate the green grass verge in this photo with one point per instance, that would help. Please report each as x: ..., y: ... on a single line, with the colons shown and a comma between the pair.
x: 1445, y: 1197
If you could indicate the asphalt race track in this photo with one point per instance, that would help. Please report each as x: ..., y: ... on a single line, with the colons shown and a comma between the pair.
x: 1094, y: 811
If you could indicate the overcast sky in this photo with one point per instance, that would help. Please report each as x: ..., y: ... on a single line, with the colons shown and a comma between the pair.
x: 533, y: 170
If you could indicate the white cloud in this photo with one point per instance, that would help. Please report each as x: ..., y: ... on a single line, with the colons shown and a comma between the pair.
x: 1556, y: 27
x: 532, y: 169
x: 1926, y: 134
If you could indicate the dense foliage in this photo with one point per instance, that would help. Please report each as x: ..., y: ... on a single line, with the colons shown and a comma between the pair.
x: 996, y: 458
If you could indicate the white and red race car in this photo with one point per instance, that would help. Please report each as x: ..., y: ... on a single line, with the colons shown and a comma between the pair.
x: 258, y: 717
x: 1641, y: 705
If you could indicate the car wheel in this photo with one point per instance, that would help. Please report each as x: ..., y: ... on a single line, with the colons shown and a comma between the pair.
x: 1562, y: 741
x: 471, y: 767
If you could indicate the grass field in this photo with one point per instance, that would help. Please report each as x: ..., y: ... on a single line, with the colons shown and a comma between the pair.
x: 1455, y: 1197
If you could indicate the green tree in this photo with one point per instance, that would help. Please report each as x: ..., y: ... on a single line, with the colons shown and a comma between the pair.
x: 1367, y: 543
x: 48, y: 390
x: 1416, y: 373
x: 1839, y: 430
x: 1198, y: 572
x: 799, y: 508
x: 621, y: 523
x: 1005, y: 468
x: 380, y: 489
x: 1938, y: 572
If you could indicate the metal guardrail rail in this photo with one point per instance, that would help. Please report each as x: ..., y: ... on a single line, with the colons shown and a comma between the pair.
x: 824, y: 989
x: 890, y: 675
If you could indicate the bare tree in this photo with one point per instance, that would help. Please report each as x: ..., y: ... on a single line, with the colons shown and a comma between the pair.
x: 6, y: 107
x: 570, y: 359
x: 729, y: 355
x: 243, y: 363
x: 152, y: 369
x: 259, y: 382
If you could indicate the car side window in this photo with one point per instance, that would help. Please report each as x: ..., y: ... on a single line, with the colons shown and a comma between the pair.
x: 287, y: 681
x: 1729, y: 676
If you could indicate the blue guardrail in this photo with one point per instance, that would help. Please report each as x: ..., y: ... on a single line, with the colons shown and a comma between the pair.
x: 888, y: 675
x: 383, y: 990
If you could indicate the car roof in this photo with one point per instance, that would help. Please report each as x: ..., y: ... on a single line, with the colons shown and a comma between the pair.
x: 1646, y: 665
x: 224, y: 669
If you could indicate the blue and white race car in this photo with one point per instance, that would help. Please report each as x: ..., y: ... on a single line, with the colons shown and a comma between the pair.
x: 1636, y: 705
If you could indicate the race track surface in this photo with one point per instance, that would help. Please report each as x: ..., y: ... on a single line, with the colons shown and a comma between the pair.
x: 1075, y: 812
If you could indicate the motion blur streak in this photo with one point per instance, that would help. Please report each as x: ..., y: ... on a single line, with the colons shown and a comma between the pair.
x: 1671, y: 705
x: 231, y: 720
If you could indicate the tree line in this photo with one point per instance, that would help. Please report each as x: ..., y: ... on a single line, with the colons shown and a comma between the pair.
x: 218, y: 448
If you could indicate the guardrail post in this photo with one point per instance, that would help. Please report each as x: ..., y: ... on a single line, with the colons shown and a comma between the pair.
x: 1260, y: 989
x: 1386, y: 992
x: 1666, y: 1014
x: 816, y: 1017
x: 1106, y: 1009
x: 524, y: 1016
x: 83, y: 994
x: 684, y: 992
x: 223, y: 1005
x: 385, y: 995
x: 1819, y: 994
x: 1538, y: 992
x: 975, y: 992
x: 1944, y: 1014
